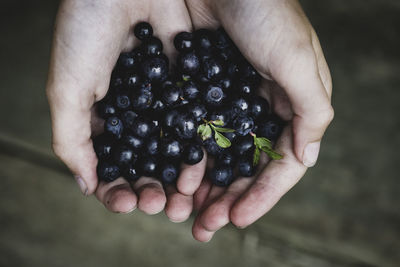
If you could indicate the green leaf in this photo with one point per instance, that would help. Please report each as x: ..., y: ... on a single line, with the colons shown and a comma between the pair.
x: 201, y: 128
x: 179, y: 84
x: 218, y: 122
x: 271, y: 153
x: 222, y: 141
x: 256, y: 156
x: 186, y: 78
x: 262, y: 142
x: 223, y: 130
x: 206, y: 133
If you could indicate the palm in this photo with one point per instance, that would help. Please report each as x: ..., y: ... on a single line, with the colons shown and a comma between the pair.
x: 88, y: 40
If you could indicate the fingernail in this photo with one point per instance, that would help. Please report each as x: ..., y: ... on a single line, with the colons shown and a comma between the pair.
x: 311, y: 153
x: 82, y: 185
x: 241, y: 227
x: 129, y: 211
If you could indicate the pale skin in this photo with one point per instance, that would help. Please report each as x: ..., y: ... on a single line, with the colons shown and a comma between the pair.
x: 274, y: 35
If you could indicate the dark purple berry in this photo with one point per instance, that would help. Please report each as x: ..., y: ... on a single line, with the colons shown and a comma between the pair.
x: 241, y: 105
x: 188, y: 63
x: 171, y: 148
x: 155, y: 69
x: 190, y: 91
x: 142, y: 127
x: 204, y: 39
x: 226, y: 158
x: 198, y: 111
x: 132, y: 173
x: 143, y: 30
x: 259, y: 108
x: 123, y: 155
x: 222, y: 175
x: 212, y: 69
x: 128, y: 117
x: 113, y: 127
x: 152, y: 146
x: 270, y: 129
x: 106, y: 109
x: 102, y: 145
x: 212, y: 147
x: 246, y: 168
x: 136, y: 143
x: 107, y: 172
x: 186, y: 126
x: 193, y: 154
x: 183, y: 41
x: 214, y: 96
x: 243, y: 145
x: 243, y: 125
x: 168, y: 172
x: 122, y: 101
x: 127, y: 61
x: 152, y: 46
x: 148, y: 166
x: 171, y: 95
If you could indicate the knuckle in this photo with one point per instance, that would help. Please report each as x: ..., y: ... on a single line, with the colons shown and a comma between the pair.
x: 327, y: 115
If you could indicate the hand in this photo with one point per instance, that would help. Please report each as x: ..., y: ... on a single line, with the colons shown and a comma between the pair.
x: 88, y: 38
x: 276, y: 37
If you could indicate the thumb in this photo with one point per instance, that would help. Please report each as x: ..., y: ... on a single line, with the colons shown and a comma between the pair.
x: 311, y: 104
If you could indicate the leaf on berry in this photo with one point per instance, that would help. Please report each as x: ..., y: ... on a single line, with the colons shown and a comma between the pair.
x: 262, y: 142
x: 206, y: 133
x: 221, y: 140
x: 223, y: 130
x: 201, y: 128
x: 271, y: 153
x: 256, y: 156
x: 218, y: 122
x: 186, y: 78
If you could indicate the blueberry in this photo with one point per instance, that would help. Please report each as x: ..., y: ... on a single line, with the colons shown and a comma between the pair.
x: 214, y: 96
x: 171, y: 148
x: 143, y: 30
x: 212, y: 68
x: 106, y: 109
x: 152, y: 46
x: 123, y: 155
x: 171, y: 95
x: 193, y: 154
x: 246, y: 168
x: 158, y: 106
x: 126, y: 61
x: 152, y: 146
x: 155, y: 68
x: 122, y: 101
x: 188, y: 63
x: 226, y: 158
x: 245, y: 88
x: 204, y: 39
x: 168, y: 172
x: 259, y: 108
x: 231, y: 136
x: 222, y: 114
x: 132, y: 173
x: 243, y: 145
x: 212, y: 147
x: 136, y: 143
x: 190, y: 91
x: 248, y: 73
x: 183, y: 41
x: 271, y: 128
x: 142, y: 127
x: 222, y: 39
x: 148, y: 166
x: 102, y: 145
x: 113, y: 127
x: 222, y: 175
x: 232, y: 69
x: 128, y: 117
x: 186, y: 126
x: 142, y: 99
x: 243, y: 125
x: 198, y: 111
x: 169, y: 118
x: 226, y: 82
x: 116, y: 80
x: 132, y: 80
x: 107, y: 172
x: 241, y: 105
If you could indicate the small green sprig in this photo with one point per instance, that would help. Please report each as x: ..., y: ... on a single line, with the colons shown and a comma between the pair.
x: 206, y: 130
x: 263, y: 144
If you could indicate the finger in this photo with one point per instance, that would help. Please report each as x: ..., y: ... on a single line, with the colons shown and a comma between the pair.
x: 117, y: 196
x: 310, y: 103
x: 199, y: 232
x: 274, y: 181
x: 201, y: 14
x: 217, y: 214
x: 169, y: 18
x: 323, y: 68
x: 80, y: 68
x: 179, y: 206
x: 201, y: 194
x: 151, y: 194
x: 191, y: 175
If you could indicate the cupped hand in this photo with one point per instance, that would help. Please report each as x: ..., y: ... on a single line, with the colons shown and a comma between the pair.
x: 277, y: 38
x: 89, y: 36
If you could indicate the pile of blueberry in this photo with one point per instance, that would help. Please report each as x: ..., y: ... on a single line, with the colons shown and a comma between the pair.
x: 155, y: 120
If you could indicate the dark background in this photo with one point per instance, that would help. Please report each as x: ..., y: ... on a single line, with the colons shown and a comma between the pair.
x: 344, y: 212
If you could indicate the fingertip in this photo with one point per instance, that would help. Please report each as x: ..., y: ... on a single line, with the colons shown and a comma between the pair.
x: 121, y: 199
x: 152, y: 198
x: 201, y: 234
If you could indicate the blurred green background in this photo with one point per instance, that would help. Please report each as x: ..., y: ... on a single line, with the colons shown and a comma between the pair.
x: 344, y: 212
